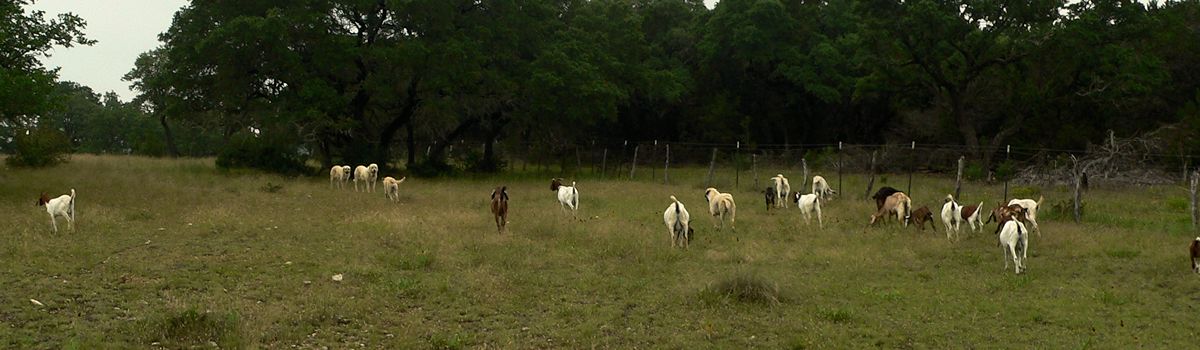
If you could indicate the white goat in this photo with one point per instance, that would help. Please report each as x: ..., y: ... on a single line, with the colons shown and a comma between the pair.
x: 63, y: 206
x: 809, y: 204
x: 568, y: 196
x: 782, y: 190
x: 1031, y: 208
x: 678, y: 223
x: 721, y: 204
x: 391, y: 188
x: 821, y: 188
x: 336, y: 175
x: 1015, y: 239
x: 951, y: 212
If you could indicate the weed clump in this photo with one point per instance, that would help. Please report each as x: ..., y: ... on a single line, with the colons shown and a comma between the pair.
x: 744, y: 287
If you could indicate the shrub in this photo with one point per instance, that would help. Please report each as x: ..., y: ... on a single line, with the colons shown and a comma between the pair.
x: 745, y: 287
x: 40, y: 147
x: 262, y: 153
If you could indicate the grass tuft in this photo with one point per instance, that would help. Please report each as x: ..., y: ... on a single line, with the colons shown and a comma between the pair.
x: 745, y: 287
x: 192, y: 328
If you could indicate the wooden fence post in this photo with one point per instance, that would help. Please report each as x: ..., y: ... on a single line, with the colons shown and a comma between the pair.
x: 737, y: 169
x: 958, y: 180
x: 712, y: 166
x: 912, y: 166
x: 633, y: 166
x: 604, y: 164
x: 871, y: 174
x: 803, y: 180
x: 840, y: 167
x: 667, y: 167
x: 1195, y: 199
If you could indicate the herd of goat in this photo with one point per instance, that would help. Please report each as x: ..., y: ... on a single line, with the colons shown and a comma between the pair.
x: 1011, y: 232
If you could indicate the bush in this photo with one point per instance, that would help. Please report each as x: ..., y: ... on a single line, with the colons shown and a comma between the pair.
x: 744, y: 287
x: 39, y: 147
x: 249, y: 151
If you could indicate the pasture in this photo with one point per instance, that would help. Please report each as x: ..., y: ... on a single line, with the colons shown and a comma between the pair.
x: 175, y: 254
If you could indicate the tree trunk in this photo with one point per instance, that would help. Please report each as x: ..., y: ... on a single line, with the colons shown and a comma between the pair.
x: 172, y: 150
x: 388, y: 134
x: 412, y: 146
x: 438, y: 152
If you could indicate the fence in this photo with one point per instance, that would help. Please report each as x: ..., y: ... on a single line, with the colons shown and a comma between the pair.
x: 746, y: 166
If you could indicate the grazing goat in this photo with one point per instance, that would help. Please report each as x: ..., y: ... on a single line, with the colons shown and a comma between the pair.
x: 971, y: 215
x: 721, y: 204
x: 678, y: 223
x: 568, y: 196
x: 897, y: 203
x: 1006, y: 213
x: 920, y: 216
x: 1031, y: 208
x: 950, y: 213
x: 336, y: 175
x: 1194, y: 248
x: 882, y: 194
x: 1014, y: 239
x: 500, y: 207
x: 782, y: 190
x: 770, y: 196
x: 822, y: 189
x: 63, y: 206
x: 810, y: 204
x: 391, y: 188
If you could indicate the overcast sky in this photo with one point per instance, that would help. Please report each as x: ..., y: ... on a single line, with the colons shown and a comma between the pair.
x: 124, y: 29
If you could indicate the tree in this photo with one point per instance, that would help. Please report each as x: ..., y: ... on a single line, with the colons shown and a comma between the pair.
x: 25, y: 36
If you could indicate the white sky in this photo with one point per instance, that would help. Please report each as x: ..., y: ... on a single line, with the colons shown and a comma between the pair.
x: 124, y: 29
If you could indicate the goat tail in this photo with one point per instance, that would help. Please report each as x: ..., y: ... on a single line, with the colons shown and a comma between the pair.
x: 575, y: 196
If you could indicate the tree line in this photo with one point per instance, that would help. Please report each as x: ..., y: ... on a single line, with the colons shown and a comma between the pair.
x: 359, y: 81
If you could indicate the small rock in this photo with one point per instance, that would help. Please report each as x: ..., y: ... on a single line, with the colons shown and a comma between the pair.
x: 287, y: 263
x: 35, y: 302
x: 337, y: 277
x: 307, y: 282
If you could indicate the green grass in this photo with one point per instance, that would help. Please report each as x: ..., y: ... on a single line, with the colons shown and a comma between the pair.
x: 176, y: 254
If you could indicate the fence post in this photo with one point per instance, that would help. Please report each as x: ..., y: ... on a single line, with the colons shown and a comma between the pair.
x: 633, y: 166
x: 1195, y: 198
x: 1078, y: 200
x: 911, y: 166
x: 871, y: 174
x: 737, y: 170
x: 712, y: 166
x: 604, y: 164
x: 804, y: 180
x: 754, y: 169
x: 653, y: 171
x: 578, y: 162
x: 667, y: 167
x: 958, y: 180
x: 840, y: 189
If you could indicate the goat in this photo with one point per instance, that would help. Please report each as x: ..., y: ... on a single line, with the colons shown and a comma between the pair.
x: 882, y: 195
x: 63, y: 206
x: 391, y: 187
x: 770, y: 196
x: 1194, y: 248
x: 336, y: 174
x: 1031, y: 208
x: 500, y: 207
x: 568, y: 196
x: 1014, y: 239
x: 822, y: 189
x: 721, y: 204
x: 1005, y: 213
x: 921, y: 215
x: 897, y: 203
x: 950, y: 213
x: 678, y: 223
x: 782, y: 190
x: 809, y: 204
x: 971, y: 215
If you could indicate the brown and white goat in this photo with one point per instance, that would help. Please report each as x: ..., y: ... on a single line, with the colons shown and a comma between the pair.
x: 897, y: 203
x: 1006, y: 213
x: 920, y: 216
x: 500, y: 207
x: 1194, y: 248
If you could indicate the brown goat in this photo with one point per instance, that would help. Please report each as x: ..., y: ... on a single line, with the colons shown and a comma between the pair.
x: 920, y: 216
x: 500, y: 207
x: 899, y: 204
x: 882, y: 194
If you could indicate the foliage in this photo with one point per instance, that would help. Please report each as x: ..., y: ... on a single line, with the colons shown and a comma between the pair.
x: 39, y: 147
x: 249, y: 150
x: 25, y: 37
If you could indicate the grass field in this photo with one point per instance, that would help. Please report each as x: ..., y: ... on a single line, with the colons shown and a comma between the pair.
x: 176, y: 254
